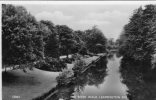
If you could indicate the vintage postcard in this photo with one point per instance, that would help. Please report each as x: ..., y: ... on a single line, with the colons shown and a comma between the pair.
x: 78, y: 50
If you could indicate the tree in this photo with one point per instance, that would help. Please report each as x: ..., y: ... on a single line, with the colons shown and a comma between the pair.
x: 94, y: 37
x: 111, y: 44
x: 21, y: 38
x: 139, y: 36
x: 66, y: 39
x: 79, y: 41
x: 51, y: 40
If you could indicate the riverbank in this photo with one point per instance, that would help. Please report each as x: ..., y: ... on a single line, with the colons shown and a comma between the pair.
x: 47, y: 95
x: 19, y: 85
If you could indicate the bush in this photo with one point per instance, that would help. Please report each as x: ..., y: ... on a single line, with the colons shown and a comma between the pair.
x: 78, y: 66
x: 67, y: 60
x: 83, y: 51
x: 65, y: 77
x: 51, y: 64
x: 76, y: 56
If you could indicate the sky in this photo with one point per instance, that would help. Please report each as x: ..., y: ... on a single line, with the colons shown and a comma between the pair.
x: 110, y: 19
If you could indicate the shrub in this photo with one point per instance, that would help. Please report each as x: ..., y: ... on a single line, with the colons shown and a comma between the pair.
x: 83, y: 51
x: 51, y: 64
x: 76, y: 56
x: 78, y: 66
x: 67, y: 60
x: 65, y: 77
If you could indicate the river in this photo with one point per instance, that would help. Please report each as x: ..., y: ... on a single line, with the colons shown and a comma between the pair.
x: 110, y: 89
x: 101, y: 81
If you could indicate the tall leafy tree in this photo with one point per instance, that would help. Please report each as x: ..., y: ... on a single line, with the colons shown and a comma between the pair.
x: 51, y: 40
x: 95, y: 40
x: 66, y: 39
x: 139, y: 36
x: 79, y: 41
x: 21, y: 38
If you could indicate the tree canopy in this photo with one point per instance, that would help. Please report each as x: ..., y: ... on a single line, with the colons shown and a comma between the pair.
x: 26, y: 40
x: 21, y: 39
x: 95, y: 40
x: 138, y: 37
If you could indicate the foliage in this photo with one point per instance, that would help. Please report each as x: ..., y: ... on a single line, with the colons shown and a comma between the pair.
x: 65, y: 77
x: 21, y: 39
x: 66, y: 40
x: 83, y: 51
x: 138, y: 88
x: 51, y: 64
x: 68, y: 60
x: 111, y: 44
x: 51, y: 40
x: 138, y: 38
x: 94, y: 38
x: 25, y: 40
x: 76, y: 56
x: 79, y: 66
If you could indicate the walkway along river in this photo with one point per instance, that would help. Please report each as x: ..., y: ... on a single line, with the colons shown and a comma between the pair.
x: 96, y: 83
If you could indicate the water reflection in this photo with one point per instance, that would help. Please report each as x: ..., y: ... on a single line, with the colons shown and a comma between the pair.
x: 139, y: 88
x: 95, y: 83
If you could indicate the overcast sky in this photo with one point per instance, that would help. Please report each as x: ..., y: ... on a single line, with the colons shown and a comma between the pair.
x: 109, y: 18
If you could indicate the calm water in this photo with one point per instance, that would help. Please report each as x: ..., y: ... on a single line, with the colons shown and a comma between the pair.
x: 97, y: 83
x: 110, y: 89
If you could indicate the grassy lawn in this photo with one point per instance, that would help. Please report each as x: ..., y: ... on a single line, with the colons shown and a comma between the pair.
x: 27, y: 85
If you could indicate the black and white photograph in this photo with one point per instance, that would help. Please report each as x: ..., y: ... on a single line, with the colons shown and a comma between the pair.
x: 78, y: 50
